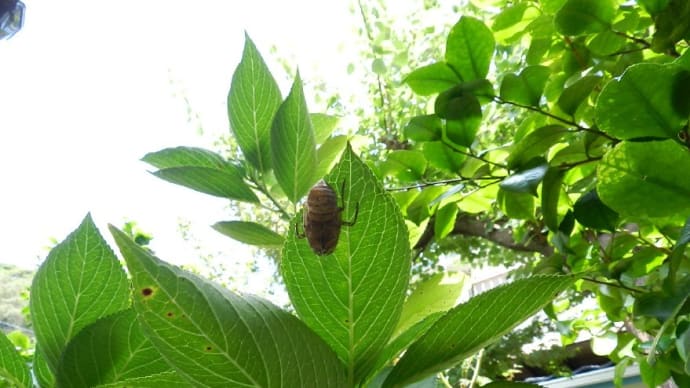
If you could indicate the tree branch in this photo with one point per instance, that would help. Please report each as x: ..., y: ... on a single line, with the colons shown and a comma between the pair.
x: 470, y: 226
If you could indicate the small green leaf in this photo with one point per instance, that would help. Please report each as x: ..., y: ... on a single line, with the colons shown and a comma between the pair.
x: 184, y: 157
x: 293, y: 145
x: 606, y: 43
x: 253, y: 100
x: 519, y: 206
x: 432, y: 79
x: 463, y: 116
x: 353, y: 297
x: 535, y: 144
x: 398, y: 345
x: 527, y: 87
x: 214, y: 337
x: 585, y: 16
x: 653, y: 375
x: 80, y: 282
x: 225, y: 183
x: 436, y: 294
x: 424, y: 128
x: 591, y: 212
x: 329, y: 153
x: 323, y: 125
x: 443, y: 157
x: 201, y: 170
x: 672, y: 25
x: 469, y: 48
x: 641, y: 102
x: 445, y: 220
x: 378, y: 66
x: 406, y: 165
x: 550, y: 193
x: 509, y: 17
x: 525, y: 181
x: 249, y: 233
x: 111, y: 350
x: 646, y: 179
x: 13, y: 368
x: 470, y: 326
x: 574, y: 95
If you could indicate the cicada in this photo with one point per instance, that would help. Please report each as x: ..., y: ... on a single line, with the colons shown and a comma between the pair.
x: 322, y: 218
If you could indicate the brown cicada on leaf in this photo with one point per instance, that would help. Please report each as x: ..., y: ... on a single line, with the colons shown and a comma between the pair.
x: 323, y: 218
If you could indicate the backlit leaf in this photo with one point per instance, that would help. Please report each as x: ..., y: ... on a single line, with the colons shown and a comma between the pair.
x: 472, y: 325
x: 80, y: 282
x: 13, y: 368
x: 353, y: 297
x: 646, y: 179
x: 469, y: 48
x: 582, y: 16
x: 249, y: 233
x: 432, y: 79
x: 293, y: 146
x: 214, y: 337
x: 253, y: 100
x: 643, y: 102
x: 113, y: 349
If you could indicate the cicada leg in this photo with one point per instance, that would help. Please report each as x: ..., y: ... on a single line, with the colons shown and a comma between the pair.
x: 342, y: 195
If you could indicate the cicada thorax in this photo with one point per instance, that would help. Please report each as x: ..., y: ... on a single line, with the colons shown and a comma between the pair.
x: 323, y: 218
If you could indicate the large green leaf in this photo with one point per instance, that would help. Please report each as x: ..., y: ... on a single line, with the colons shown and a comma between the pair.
x: 293, y: 146
x: 469, y: 48
x: 353, y: 297
x: 159, y: 380
x: 644, y: 102
x: 253, y: 100
x: 432, y: 79
x: 249, y: 233
x: 41, y: 370
x: 80, y: 282
x: 646, y: 179
x: 13, y: 368
x: 114, y: 349
x: 214, y: 337
x: 329, y: 152
x: 201, y: 170
x: 583, y: 16
x: 470, y: 326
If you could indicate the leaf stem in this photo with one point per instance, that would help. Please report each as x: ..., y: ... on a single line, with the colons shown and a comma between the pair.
x: 444, y: 182
x: 262, y: 188
x: 472, y: 155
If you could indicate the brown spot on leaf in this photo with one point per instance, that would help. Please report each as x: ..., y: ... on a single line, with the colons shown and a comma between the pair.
x: 147, y: 291
x: 170, y: 314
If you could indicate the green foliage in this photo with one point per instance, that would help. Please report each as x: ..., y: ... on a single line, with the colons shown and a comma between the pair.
x: 556, y: 127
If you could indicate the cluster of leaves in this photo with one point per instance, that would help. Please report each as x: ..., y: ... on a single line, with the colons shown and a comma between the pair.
x: 594, y: 172
x: 96, y: 327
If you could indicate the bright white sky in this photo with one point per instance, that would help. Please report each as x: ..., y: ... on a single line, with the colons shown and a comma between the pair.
x: 85, y: 92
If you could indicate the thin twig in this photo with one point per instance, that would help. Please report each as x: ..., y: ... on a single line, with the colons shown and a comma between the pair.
x: 471, y: 155
x: 382, y: 94
x: 444, y: 182
x: 475, y: 373
x: 617, y: 285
